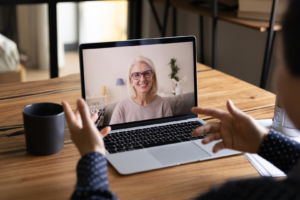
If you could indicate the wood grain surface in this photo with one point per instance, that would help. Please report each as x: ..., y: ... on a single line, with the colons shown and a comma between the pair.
x: 24, y: 176
x: 201, y: 67
x: 215, y: 88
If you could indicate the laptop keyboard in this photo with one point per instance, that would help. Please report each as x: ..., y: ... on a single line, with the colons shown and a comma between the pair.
x: 150, y: 137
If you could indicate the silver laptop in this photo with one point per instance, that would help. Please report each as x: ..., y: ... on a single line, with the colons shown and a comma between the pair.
x: 145, y: 90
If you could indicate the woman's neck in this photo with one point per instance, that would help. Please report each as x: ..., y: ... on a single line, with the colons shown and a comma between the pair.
x: 144, y: 99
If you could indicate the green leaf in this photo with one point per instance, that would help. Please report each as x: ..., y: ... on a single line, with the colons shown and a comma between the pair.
x: 174, y: 69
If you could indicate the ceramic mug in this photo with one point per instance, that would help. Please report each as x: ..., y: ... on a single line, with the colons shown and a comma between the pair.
x: 44, y: 126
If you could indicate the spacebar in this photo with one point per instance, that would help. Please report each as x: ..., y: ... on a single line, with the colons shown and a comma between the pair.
x: 161, y: 143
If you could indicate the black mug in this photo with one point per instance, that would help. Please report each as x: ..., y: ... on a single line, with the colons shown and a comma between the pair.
x: 44, y: 126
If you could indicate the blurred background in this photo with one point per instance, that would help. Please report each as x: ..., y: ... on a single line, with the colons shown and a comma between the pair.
x: 240, y: 47
x: 83, y: 22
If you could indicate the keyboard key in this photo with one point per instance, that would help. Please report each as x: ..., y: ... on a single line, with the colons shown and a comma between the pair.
x: 149, y: 137
x: 128, y: 145
x: 144, y: 143
x: 138, y: 147
x: 107, y: 144
x: 161, y: 143
x: 185, y: 139
x: 112, y: 151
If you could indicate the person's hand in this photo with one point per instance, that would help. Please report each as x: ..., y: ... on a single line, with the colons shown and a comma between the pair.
x: 84, y: 133
x: 237, y: 130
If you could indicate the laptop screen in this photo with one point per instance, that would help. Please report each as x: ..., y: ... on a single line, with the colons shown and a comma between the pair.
x: 125, y: 84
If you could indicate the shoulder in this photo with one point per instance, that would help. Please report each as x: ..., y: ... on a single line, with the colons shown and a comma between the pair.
x: 119, y: 111
x: 162, y: 100
x: 163, y: 103
x: 124, y: 103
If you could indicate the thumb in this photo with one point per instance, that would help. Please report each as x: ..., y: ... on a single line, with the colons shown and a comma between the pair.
x: 235, y: 112
x: 105, y: 131
x: 218, y: 147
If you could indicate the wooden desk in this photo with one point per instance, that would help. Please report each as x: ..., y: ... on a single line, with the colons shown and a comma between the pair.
x: 23, y: 176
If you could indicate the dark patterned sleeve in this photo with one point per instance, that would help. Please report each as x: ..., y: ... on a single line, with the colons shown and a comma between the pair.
x: 254, y: 189
x: 92, y: 182
x: 280, y: 150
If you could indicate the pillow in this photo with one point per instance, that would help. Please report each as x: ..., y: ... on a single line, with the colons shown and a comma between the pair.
x: 100, y: 112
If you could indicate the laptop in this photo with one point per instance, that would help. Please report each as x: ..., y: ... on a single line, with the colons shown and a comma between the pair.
x: 145, y: 90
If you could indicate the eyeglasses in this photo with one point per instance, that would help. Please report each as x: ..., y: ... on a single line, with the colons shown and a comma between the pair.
x: 137, y: 75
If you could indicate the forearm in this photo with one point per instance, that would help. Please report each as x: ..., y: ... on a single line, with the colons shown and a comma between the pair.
x: 92, y: 182
x: 280, y: 150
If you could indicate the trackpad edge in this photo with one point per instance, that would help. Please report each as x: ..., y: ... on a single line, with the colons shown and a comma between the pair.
x: 133, y: 162
x: 178, y: 153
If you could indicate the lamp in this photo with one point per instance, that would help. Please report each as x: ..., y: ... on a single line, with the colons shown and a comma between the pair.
x: 120, y: 81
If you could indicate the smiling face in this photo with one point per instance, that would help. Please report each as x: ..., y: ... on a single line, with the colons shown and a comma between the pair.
x: 143, y: 85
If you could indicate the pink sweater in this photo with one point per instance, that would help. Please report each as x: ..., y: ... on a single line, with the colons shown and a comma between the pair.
x: 128, y: 111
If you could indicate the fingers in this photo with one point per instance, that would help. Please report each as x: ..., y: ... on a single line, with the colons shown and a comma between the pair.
x: 211, y: 137
x: 84, y: 113
x: 210, y: 127
x: 94, y: 117
x: 219, y: 146
x: 235, y: 112
x: 77, y: 115
x: 217, y: 113
x: 105, y: 131
x: 71, y: 119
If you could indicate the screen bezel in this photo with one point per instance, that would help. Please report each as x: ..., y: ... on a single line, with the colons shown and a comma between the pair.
x: 140, y: 42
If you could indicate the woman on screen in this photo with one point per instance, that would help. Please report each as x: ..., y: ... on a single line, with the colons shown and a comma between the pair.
x: 143, y: 102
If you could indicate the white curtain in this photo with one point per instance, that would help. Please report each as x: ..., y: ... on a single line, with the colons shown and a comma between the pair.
x: 102, y: 21
x: 33, y: 35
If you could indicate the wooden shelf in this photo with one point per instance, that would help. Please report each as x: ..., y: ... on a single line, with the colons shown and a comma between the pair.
x: 93, y: 98
x: 18, y: 75
x: 229, y: 16
x: 201, y: 67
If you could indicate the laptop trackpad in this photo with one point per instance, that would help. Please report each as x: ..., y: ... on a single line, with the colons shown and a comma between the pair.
x: 178, y: 153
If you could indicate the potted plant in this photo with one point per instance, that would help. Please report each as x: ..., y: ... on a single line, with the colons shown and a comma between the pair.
x: 174, y: 78
x: 178, y: 88
x: 174, y: 69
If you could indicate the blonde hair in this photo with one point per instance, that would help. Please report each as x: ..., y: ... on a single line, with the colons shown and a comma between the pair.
x: 131, y: 90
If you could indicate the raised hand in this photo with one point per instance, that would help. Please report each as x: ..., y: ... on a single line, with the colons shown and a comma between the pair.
x: 84, y: 133
x: 237, y: 130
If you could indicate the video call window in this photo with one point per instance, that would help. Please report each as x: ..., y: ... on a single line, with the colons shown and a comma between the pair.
x: 128, y: 84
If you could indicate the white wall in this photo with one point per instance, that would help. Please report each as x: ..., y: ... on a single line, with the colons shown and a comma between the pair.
x: 240, y: 49
x: 102, y: 67
x: 67, y: 22
x: 102, y: 21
